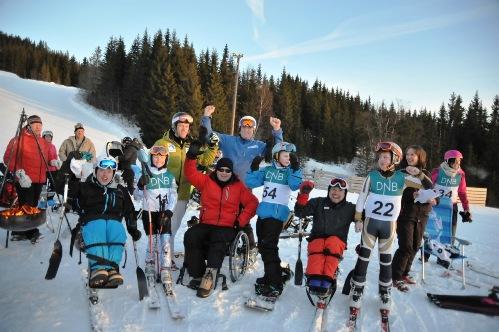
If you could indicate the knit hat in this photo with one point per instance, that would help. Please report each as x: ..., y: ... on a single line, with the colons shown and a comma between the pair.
x: 34, y: 119
x: 79, y: 126
x: 225, y: 162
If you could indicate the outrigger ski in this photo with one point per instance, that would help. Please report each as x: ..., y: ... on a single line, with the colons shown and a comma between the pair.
x: 320, y: 318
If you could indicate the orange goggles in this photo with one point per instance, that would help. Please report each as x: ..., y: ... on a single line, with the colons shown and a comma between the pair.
x: 247, y: 123
x: 158, y: 150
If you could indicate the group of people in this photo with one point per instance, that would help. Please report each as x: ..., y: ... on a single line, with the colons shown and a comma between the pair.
x: 386, y: 206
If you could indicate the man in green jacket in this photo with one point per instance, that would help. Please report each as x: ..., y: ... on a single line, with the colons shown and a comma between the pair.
x: 178, y: 140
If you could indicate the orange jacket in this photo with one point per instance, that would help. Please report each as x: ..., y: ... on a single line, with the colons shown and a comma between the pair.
x: 27, y: 156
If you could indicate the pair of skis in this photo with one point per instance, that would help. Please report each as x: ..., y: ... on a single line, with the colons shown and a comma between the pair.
x: 354, y: 314
x: 166, y: 280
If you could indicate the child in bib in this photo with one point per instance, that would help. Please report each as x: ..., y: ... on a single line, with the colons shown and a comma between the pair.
x: 380, y: 200
x: 450, y: 181
x: 159, y: 196
x: 278, y: 180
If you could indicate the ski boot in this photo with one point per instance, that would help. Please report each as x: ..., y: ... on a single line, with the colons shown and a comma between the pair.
x: 385, y: 297
x: 115, y: 279
x: 356, y: 295
x: 207, y: 283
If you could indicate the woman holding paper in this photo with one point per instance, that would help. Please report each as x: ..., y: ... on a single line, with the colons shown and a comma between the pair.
x: 411, y: 222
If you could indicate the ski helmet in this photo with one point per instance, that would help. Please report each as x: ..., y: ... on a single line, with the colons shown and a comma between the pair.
x: 247, y: 121
x: 282, y: 146
x: 392, y: 147
x: 48, y: 133
x: 180, y: 117
x: 452, y: 154
x: 161, y: 151
x: 126, y: 140
x: 106, y: 162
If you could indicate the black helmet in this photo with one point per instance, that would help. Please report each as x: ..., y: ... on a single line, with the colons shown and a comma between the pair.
x: 126, y: 140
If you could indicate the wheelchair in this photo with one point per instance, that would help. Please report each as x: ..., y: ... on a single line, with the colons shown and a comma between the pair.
x: 238, y: 252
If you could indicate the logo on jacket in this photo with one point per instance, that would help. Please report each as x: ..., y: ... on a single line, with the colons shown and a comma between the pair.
x: 171, y: 147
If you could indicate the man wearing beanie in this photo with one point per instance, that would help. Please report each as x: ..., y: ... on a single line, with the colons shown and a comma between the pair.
x: 79, y: 145
x: 24, y: 159
x: 226, y: 205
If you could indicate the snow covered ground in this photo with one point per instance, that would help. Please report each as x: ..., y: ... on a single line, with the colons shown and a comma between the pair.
x: 30, y: 303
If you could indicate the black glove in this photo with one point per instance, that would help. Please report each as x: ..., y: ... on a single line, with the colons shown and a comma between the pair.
x: 134, y: 233
x: 193, y: 221
x: 77, y: 155
x: 194, y: 150
x: 213, y: 140
x: 294, y: 163
x: 165, y: 218
x: 143, y: 181
x: 466, y: 216
x: 255, y: 164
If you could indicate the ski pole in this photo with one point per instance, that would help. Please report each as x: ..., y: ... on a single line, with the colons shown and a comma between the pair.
x: 141, y: 277
x: 299, y: 264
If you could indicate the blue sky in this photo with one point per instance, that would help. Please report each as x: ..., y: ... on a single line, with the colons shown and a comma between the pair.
x: 414, y: 53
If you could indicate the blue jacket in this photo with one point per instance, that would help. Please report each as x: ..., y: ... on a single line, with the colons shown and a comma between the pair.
x: 278, y: 183
x: 239, y: 150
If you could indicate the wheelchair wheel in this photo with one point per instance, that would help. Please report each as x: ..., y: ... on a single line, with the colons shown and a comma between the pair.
x: 239, y: 256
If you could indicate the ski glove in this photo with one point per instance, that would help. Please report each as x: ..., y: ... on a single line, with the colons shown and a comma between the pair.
x: 56, y: 163
x: 307, y: 186
x: 466, y: 215
x: 143, y: 181
x: 165, y: 218
x: 294, y: 163
x: 213, y: 140
x: 194, y: 150
x: 134, y: 233
x: 255, y: 164
x: 23, y: 178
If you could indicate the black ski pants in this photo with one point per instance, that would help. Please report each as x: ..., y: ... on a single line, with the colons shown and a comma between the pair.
x: 268, y: 231
x: 206, y: 246
x: 156, y: 227
x: 410, y: 234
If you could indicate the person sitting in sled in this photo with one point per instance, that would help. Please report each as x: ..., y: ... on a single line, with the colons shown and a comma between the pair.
x: 159, y: 196
x: 102, y: 203
x: 332, y: 216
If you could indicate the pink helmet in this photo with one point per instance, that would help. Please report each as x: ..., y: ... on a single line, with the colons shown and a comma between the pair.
x: 453, y: 154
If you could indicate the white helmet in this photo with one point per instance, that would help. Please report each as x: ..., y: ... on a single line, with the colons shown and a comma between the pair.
x: 180, y: 117
x: 247, y: 121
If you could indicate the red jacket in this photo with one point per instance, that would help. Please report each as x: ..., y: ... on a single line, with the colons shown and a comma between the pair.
x: 52, y: 156
x: 221, y: 206
x: 29, y: 157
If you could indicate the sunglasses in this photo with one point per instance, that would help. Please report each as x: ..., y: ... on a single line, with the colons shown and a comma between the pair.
x: 340, y: 183
x: 158, y: 150
x: 108, y: 164
x: 224, y: 170
x: 247, y: 123
x: 383, y: 146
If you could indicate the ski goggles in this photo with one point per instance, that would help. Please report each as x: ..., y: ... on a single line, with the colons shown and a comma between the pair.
x: 339, y: 182
x: 183, y: 118
x: 158, y: 150
x: 224, y: 170
x: 108, y: 164
x: 383, y: 146
x: 247, y: 123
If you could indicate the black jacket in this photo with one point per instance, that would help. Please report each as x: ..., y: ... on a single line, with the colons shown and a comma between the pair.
x: 328, y: 218
x: 94, y: 201
x: 415, y: 211
x: 129, y: 156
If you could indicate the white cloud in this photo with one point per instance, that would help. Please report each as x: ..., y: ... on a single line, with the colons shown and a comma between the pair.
x: 354, y: 32
x: 256, y: 7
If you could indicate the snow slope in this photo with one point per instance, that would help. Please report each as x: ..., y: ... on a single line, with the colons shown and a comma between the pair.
x: 30, y: 303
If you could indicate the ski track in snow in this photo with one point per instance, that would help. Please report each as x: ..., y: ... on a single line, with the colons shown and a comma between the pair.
x: 30, y: 303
